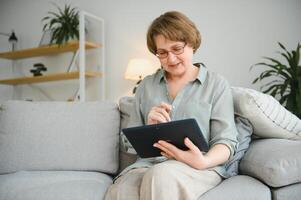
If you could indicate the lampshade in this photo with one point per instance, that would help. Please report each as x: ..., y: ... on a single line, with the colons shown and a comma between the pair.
x: 137, y: 69
x: 13, y: 38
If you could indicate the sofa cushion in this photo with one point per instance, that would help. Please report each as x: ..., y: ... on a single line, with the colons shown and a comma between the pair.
x: 58, y: 185
x: 268, y: 117
x: 59, y: 136
x: 276, y: 162
x: 238, y: 188
x: 290, y: 192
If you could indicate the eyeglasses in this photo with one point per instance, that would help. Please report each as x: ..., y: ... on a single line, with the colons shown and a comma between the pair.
x: 177, y: 50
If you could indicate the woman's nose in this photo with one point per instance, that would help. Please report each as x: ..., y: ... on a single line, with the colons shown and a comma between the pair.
x: 171, y: 57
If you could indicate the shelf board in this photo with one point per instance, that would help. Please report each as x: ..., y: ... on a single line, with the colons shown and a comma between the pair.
x: 48, y: 77
x: 46, y: 50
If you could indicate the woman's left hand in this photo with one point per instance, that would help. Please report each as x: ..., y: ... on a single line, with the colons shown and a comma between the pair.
x: 192, y: 157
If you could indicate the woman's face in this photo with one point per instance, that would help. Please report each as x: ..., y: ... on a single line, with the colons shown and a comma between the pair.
x: 173, y: 64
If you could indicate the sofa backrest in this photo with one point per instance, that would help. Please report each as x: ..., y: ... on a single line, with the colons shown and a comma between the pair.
x: 59, y: 136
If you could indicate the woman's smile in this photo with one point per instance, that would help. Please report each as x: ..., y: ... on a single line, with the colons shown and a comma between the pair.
x: 174, y: 65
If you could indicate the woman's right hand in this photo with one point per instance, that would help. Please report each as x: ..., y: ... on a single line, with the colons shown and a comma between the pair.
x: 159, y: 114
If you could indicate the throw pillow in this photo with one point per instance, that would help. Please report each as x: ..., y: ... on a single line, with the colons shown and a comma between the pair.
x: 268, y: 117
x: 276, y: 162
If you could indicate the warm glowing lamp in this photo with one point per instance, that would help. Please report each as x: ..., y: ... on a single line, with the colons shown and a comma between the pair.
x: 137, y: 69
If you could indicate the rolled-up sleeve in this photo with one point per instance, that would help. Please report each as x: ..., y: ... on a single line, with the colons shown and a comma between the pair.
x: 222, y: 125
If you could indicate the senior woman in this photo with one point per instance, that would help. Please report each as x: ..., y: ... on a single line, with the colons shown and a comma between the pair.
x: 179, y: 90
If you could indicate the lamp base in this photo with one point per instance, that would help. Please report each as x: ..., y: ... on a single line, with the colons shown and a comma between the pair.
x: 135, y: 88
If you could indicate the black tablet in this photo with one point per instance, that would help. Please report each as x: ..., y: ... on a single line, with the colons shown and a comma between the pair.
x: 142, y: 138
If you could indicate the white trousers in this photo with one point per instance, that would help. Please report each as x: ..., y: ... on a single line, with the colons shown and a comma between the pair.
x: 167, y: 180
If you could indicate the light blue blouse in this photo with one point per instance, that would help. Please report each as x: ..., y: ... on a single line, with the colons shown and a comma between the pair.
x: 208, y: 99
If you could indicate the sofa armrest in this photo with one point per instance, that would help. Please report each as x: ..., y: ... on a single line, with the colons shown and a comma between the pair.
x: 276, y: 162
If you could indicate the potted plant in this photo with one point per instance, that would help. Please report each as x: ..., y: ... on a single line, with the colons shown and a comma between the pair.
x: 64, y: 25
x: 286, y: 83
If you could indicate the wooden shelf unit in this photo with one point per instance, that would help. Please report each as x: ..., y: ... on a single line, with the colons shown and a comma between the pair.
x: 49, y: 77
x: 71, y: 46
x: 46, y: 50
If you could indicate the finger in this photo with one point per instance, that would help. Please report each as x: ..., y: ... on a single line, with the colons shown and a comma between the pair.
x: 166, y: 106
x: 166, y: 155
x: 163, y: 112
x: 170, y: 148
x: 164, y: 149
x: 159, y: 117
x: 190, y: 145
x: 156, y: 117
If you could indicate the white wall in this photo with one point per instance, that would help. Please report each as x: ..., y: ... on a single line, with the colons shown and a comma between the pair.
x: 236, y: 34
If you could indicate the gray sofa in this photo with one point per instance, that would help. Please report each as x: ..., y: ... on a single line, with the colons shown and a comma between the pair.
x: 70, y: 151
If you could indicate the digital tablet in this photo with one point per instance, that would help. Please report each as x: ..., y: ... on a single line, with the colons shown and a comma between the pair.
x: 142, y: 138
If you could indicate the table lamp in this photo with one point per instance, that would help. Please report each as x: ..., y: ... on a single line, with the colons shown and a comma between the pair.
x: 137, y: 69
x: 12, y: 38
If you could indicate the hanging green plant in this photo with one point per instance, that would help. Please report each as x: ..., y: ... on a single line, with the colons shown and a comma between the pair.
x: 64, y: 25
x: 287, y: 79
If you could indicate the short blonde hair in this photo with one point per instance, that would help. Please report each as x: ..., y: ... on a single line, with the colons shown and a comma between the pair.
x: 174, y: 26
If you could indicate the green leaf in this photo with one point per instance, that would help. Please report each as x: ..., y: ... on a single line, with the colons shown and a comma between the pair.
x: 270, y: 73
x: 281, y: 45
x: 270, y: 83
x: 255, y: 80
x: 297, y: 56
x: 274, y: 86
x: 273, y: 60
x: 45, y: 27
x: 283, y: 99
x: 274, y: 92
x: 284, y: 87
x: 289, y: 59
x: 287, y: 52
x: 55, y: 15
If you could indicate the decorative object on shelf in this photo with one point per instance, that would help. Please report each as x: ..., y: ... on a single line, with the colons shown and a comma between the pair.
x: 64, y: 25
x: 287, y: 82
x: 137, y: 69
x: 12, y: 38
x: 38, y: 68
x: 44, y: 51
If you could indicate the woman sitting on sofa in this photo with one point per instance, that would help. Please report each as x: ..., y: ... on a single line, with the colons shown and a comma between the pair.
x: 179, y: 90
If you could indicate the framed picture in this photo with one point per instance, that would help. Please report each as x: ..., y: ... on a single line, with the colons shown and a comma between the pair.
x: 46, y: 38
